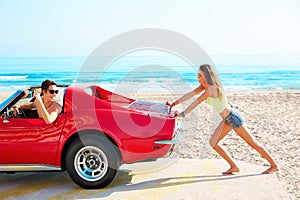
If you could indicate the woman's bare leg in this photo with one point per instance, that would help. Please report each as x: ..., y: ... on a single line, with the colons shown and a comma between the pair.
x: 221, y: 131
x: 247, y: 137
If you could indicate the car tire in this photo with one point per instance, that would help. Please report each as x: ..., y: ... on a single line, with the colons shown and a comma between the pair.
x: 92, y: 161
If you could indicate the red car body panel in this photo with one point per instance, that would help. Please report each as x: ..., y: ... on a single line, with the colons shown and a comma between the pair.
x: 32, y: 141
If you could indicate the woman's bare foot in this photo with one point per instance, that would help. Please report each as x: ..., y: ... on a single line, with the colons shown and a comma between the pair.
x: 232, y: 170
x: 272, y: 169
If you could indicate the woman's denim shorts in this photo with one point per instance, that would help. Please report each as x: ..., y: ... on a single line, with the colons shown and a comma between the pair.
x: 234, y: 119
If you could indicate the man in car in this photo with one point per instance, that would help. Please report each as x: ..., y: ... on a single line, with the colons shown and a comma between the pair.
x: 45, y: 104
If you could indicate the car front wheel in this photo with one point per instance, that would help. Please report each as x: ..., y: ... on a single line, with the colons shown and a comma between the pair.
x: 92, y: 161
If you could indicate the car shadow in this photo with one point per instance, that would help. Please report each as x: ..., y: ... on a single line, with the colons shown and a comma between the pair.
x: 123, y: 182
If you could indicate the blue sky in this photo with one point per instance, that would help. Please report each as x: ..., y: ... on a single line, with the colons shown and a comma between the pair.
x: 76, y: 27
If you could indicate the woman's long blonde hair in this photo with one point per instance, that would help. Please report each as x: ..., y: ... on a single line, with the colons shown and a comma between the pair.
x: 212, y: 78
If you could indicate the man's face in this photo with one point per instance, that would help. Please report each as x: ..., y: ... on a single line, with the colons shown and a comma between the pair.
x: 51, y: 92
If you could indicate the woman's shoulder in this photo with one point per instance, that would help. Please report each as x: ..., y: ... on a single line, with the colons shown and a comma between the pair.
x: 213, y: 92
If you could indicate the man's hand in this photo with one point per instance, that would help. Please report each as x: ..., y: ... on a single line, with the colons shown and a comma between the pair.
x: 36, y: 94
x: 16, y: 111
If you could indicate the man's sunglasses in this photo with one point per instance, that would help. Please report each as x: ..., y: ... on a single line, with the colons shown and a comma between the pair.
x: 53, y: 91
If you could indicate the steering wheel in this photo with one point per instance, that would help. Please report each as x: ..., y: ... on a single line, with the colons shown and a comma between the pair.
x: 21, y: 113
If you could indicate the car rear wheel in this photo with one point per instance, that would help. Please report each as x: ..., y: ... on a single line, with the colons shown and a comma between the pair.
x: 92, y: 161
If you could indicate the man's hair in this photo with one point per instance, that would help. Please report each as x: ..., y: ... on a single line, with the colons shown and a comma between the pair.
x: 45, y: 84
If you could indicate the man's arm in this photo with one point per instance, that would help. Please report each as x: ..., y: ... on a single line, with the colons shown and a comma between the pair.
x: 27, y: 105
x: 48, y: 117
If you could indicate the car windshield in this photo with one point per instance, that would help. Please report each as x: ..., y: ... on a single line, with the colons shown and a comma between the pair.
x: 6, y: 102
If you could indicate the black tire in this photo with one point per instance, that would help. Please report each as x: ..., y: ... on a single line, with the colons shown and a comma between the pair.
x: 92, y: 161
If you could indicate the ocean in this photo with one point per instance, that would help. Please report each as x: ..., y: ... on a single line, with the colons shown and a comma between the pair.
x: 152, y: 73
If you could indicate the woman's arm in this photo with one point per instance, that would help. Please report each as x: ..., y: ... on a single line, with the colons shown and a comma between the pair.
x: 193, y: 105
x: 188, y: 96
x: 48, y: 117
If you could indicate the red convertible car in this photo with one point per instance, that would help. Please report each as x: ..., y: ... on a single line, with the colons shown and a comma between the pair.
x: 96, y: 132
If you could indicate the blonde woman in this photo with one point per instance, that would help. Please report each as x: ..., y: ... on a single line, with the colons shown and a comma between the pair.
x: 212, y: 92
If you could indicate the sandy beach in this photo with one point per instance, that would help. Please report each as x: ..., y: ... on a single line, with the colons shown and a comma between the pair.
x: 271, y: 116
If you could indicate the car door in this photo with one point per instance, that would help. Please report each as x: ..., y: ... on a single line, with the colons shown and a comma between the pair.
x: 29, y: 141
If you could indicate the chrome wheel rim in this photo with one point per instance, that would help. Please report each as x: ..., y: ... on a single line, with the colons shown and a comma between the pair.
x: 91, y: 163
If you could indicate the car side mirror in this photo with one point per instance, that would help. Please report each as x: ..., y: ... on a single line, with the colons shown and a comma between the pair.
x: 5, y: 118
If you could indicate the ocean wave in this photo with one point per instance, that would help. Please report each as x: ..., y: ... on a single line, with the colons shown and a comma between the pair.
x: 7, y: 78
x: 11, y: 88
